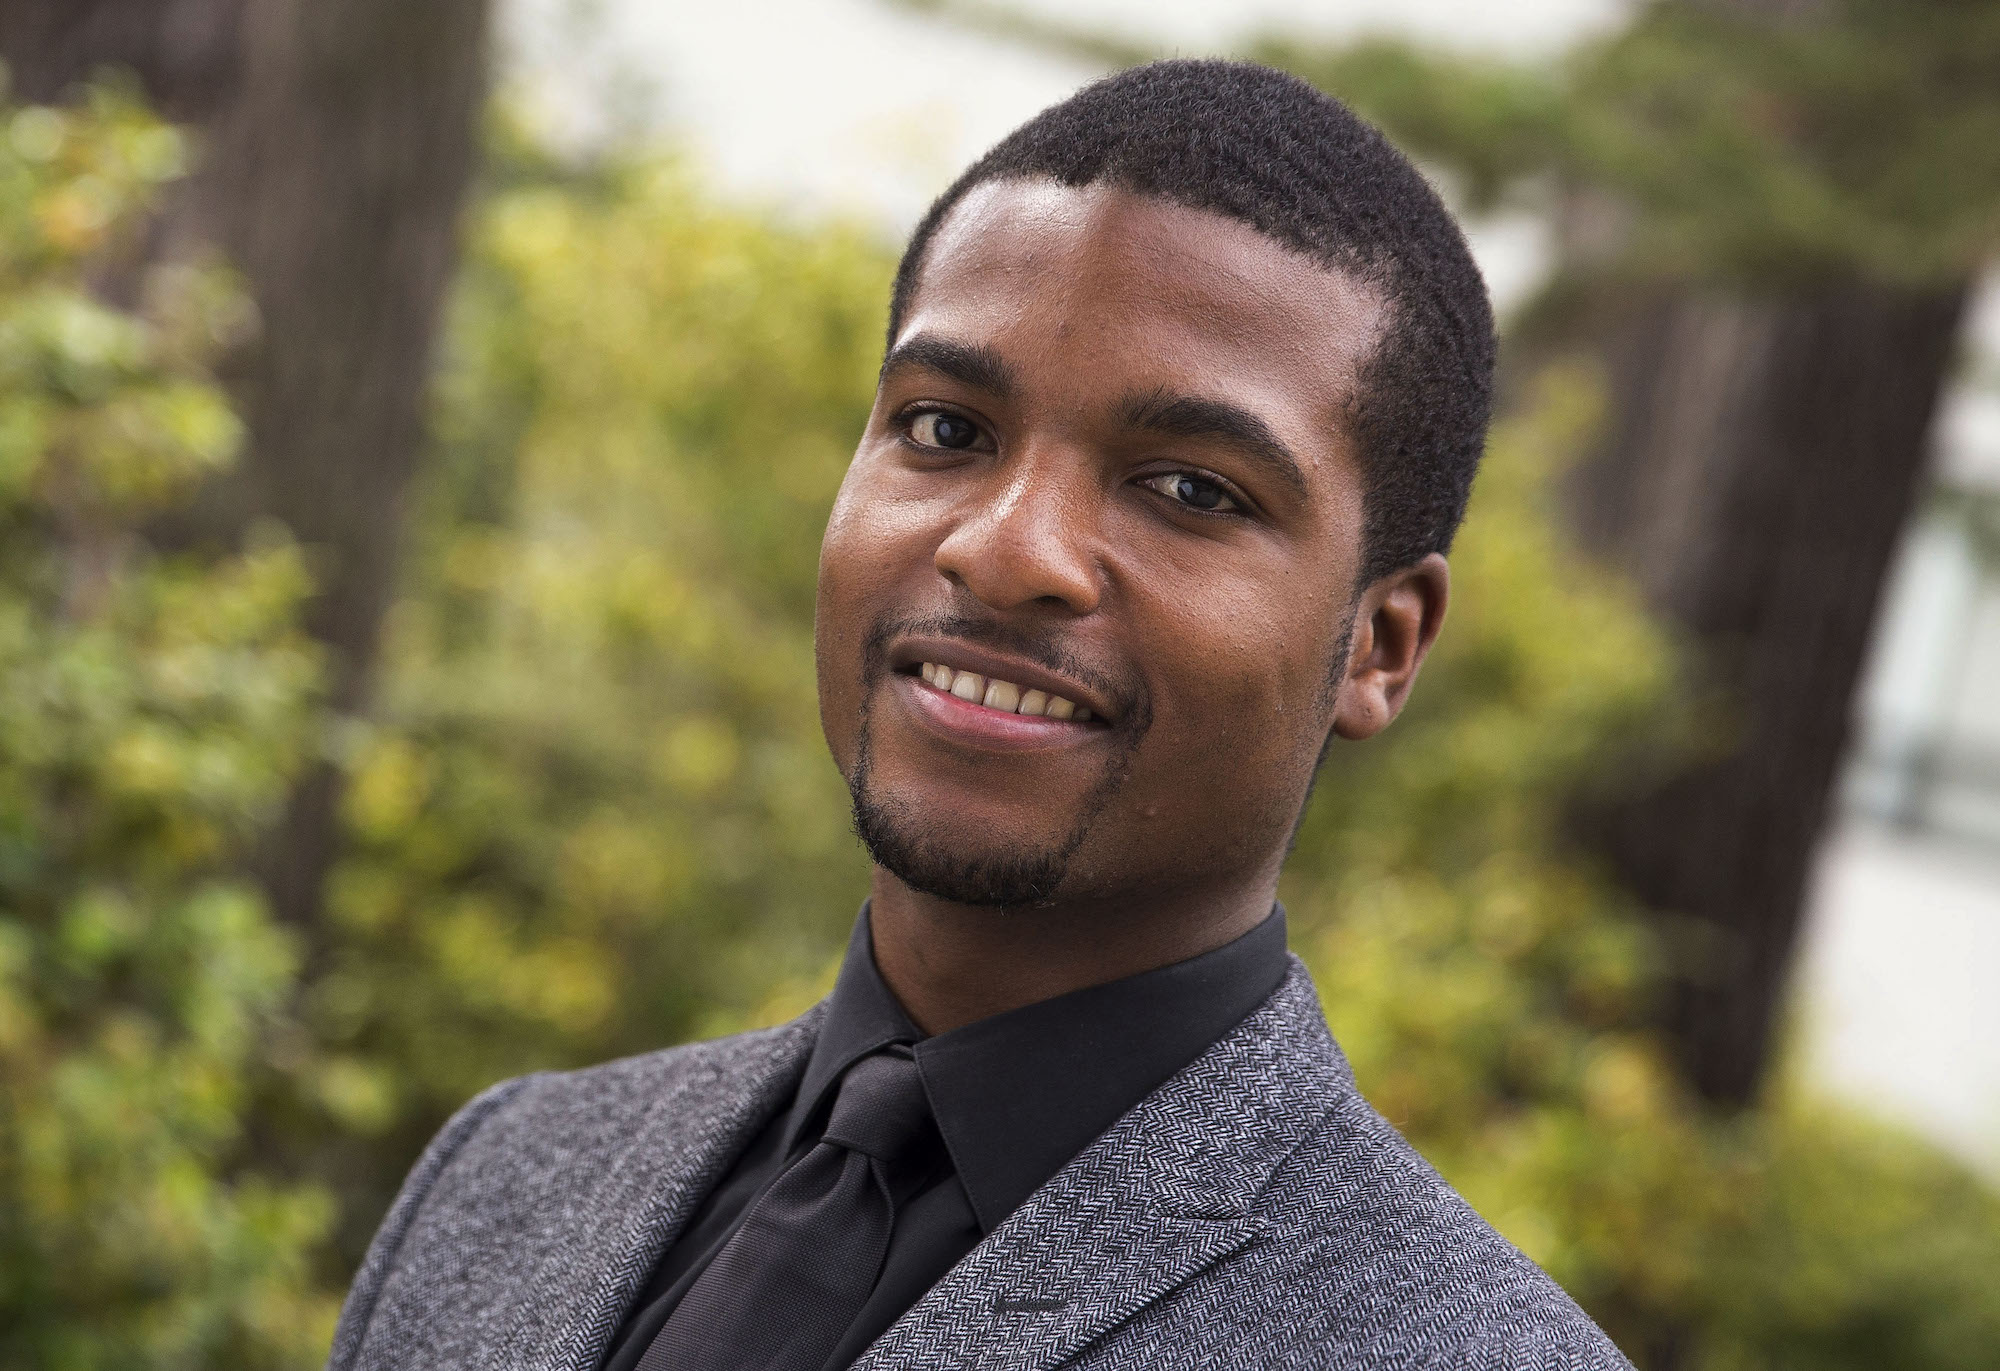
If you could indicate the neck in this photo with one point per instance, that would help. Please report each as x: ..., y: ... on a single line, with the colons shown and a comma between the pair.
x: 951, y: 964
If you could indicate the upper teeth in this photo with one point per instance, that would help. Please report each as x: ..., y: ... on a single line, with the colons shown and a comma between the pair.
x: 1002, y: 695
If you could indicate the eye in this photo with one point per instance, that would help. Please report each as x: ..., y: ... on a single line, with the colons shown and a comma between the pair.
x: 1196, y: 492
x: 941, y: 428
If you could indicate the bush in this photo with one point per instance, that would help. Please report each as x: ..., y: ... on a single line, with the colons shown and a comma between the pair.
x: 597, y: 815
x: 152, y: 711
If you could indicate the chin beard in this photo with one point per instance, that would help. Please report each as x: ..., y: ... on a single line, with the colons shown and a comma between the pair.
x: 1012, y: 877
x: 1009, y: 877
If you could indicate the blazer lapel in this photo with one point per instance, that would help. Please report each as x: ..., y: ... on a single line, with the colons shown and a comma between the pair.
x: 646, y: 1193
x: 1162, y: 1195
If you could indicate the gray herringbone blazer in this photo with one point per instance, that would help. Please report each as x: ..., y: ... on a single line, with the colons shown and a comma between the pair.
x: 1252, y: 1212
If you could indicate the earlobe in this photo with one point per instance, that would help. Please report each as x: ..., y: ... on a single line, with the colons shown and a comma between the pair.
x: 1360, y: 714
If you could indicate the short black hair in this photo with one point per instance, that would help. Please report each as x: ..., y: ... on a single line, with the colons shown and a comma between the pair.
x: 1299, y: 166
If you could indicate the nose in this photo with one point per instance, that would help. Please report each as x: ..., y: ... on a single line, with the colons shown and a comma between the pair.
x: 1026, y: 537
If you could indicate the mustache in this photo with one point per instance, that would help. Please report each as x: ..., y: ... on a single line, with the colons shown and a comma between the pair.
x: 1042, y: 646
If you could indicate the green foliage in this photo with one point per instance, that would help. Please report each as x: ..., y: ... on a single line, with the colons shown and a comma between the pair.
x: 597, y: 815
x: 151, y: 715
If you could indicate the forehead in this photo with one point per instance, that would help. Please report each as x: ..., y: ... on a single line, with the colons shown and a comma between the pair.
x: 1108, y: 289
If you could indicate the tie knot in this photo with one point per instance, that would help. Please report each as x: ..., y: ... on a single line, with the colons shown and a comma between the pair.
x: 881, y: 1109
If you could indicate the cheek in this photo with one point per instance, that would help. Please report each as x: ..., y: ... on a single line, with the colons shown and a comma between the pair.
x: 877, y: 537
x: 1237, y: 723
x: 874, y: 543
x: 1248, y: 710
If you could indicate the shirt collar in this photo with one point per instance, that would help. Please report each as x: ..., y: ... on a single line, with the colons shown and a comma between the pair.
x: 1018, y: 1094
x: 863, y: 1016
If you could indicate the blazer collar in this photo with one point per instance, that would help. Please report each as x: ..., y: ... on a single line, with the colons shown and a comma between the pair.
x: 1166, y: 1192
x: 1162, y: 1194
x: 1018, y: 1094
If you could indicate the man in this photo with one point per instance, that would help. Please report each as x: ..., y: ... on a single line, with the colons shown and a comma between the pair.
x: 1186, y: 383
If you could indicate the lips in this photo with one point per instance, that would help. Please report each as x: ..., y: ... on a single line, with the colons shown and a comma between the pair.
x: 1039, y: 685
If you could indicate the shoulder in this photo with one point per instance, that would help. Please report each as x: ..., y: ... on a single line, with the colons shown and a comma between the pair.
x: 540, y: 1121
x: 621, y: 1089
x: 533, y: 1139
x: 1353, y: 1253
x: 1385, y: 1255
x: 533, y: 1171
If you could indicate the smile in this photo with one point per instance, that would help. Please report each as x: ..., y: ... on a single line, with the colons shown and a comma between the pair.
x: 970, y: 695
x: 990, y: 692
x: 990, y: 713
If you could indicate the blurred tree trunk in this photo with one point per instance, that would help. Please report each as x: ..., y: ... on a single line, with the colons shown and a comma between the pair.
x: 1760, y: 460
x: 339, y: 142
x: 186, y: 53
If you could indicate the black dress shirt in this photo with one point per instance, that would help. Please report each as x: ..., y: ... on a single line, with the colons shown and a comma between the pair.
x: 1015, y: 1096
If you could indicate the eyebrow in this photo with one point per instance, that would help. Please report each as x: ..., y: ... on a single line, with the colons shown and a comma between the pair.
x: 971, y: 364
x: 1198, y: 416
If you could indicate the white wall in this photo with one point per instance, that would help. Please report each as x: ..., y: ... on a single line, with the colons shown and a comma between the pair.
x: 1897, y: 1005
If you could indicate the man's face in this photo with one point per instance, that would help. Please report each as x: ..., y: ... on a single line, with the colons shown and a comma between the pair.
x: 1107, y: 463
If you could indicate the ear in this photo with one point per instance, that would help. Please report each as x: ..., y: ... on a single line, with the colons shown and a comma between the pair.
x: 1395, y: 622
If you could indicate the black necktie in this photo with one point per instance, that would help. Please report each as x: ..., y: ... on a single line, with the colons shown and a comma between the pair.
x: 786, y: 1285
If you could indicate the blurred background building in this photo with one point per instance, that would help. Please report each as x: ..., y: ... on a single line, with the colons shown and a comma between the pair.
x: 1896, y: 980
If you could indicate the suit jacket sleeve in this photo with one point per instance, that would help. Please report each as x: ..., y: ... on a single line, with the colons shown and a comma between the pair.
x: 381, y: 1259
